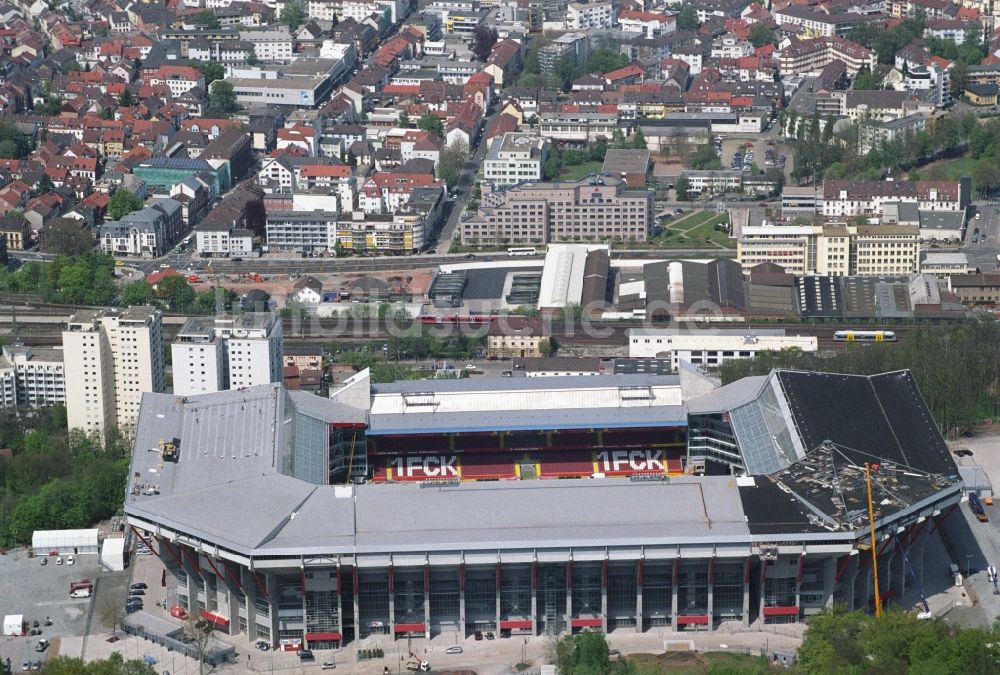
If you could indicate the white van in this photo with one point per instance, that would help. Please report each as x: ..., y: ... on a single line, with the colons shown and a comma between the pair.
x: 81, y: 593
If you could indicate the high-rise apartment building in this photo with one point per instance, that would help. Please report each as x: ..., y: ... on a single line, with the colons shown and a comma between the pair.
x: 227, y: 352
x: 113, y: 358
x: 31, y: 376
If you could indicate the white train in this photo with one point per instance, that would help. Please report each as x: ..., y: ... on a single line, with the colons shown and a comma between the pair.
x: 864, y: 336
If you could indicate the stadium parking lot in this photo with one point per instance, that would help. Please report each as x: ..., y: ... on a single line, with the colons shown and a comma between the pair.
x: 38, y: 591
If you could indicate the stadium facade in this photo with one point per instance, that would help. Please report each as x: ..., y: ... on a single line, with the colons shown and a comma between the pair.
x: 536, y: 505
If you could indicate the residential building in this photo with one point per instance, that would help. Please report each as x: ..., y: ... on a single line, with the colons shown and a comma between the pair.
x: 117, y: 357
x: 648, y: 24
x: 31, y: 376
x: 515, y: 336
x: 873, y: 133
x: 976, y: 289
x: 515, y: 158
x: 590, y: 15
x: 592, y: 209
x: 818, y: 23
x: 227, y: 352
x: 218, y: 238
x: 831, y: 250
x: 802, y: 57
x: 149, y: 232
x: 712, y: 348
x: 304, y: 231
x: 405, y: 230
x: 848, y: 199
x: 572, y: 46
x: 15, y: 230
x: 578, y: 127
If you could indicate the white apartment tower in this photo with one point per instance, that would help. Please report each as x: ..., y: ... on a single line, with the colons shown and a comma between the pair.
x: 31, y: 376
x: 114, y: 357
x: 228, y: 352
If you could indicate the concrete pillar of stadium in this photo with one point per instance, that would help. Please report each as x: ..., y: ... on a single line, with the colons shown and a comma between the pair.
x: 569, y: 599
x: 271, y: 584
x: 392, y: 604
x: 829, y: 579
x: 250, y: 592
x: 673, y: 602
x: 534, y: 604
x: 746, y: 593
x: 496, y: 585
x: 604, y: 603
x: 355, y: 596
x: 427, y: 603
x: 638, y: 596
x: 710, y: 609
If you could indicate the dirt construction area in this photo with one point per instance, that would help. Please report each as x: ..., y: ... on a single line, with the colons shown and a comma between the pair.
x: 280, y: 286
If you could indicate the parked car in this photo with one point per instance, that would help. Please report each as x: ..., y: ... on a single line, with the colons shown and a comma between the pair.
x: 42, y: 645
x: 478, y: 635
x: 136, y: 592
x: 454, y: 649
x: 306, y: 655
x: 59, y: 560
x: 45, y: 561
x: 262, y: 645
x: 70, y: 560
x: 141, y: 584
x: 328, y: 665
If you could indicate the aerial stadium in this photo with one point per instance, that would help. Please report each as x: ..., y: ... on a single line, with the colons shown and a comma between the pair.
x: 537, y: 505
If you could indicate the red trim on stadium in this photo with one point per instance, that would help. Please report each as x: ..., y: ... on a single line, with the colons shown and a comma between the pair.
x: 322, y: 637
x: 516, y: 624
x: 217, y: 619
x: 597, y: 622
x: 781, y: 611
x: 693, y: 620
x: 410, y: 627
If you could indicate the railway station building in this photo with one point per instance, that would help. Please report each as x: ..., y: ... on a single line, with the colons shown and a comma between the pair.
x: 536, y: 505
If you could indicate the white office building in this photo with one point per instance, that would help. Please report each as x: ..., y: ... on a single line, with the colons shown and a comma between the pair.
x: 115, y: 357
x: 227, y: 352
x: 712, y: 348
x: 515, y: 158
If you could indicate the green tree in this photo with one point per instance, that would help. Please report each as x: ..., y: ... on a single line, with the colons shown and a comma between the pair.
x: 45, y: 184
x: 986, y: 175
x: 122, y: 203
x: 687, y: 18
x: 865, y: 80
x: 587, y: 653
x: 222, y: 97
x: 484, y: 37
x: 682, y: 185
x: 761, y: 34
x: 50, y: 108
x: 638, y: 139
x: 432, y: 124
x: 292, y: 15
x: 135, y: 294
x: 218, y: 300
x: 453, y: 160
x: 704, y: 158
x: 13, y: 143
x: 251, y: 57
x: 211, y: 70
x: 404, y: 120
x: 565, y: 72
x: 65, y: 236
x: 126, y: 100
x: 176, y: 293
x: 604, y: 60
x: 207, y: 19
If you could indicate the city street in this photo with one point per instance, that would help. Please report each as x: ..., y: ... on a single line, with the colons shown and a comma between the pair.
x: 983, y: 254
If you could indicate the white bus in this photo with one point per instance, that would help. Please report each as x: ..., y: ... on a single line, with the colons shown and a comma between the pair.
x: 521, y: 251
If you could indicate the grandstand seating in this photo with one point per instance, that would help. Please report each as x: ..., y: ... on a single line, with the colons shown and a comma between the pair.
x: 488, y: 467
x: 566, y: 464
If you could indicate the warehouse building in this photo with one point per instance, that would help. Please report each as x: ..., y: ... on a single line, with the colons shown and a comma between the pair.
x: 767, y: 511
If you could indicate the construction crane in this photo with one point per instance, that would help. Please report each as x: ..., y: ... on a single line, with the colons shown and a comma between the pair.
x: 871, y: 524
x: 926, y: 614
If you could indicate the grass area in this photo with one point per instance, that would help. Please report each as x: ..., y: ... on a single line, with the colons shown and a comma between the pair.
x: 695, y: 230
x: 948, y: 169
x: 578, y: 171
x: 693, y: 663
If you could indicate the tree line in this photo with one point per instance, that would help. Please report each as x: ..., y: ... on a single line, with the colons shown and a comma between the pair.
x: 957, y: 369
x: 56, y: 479
x: 820, y: 152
